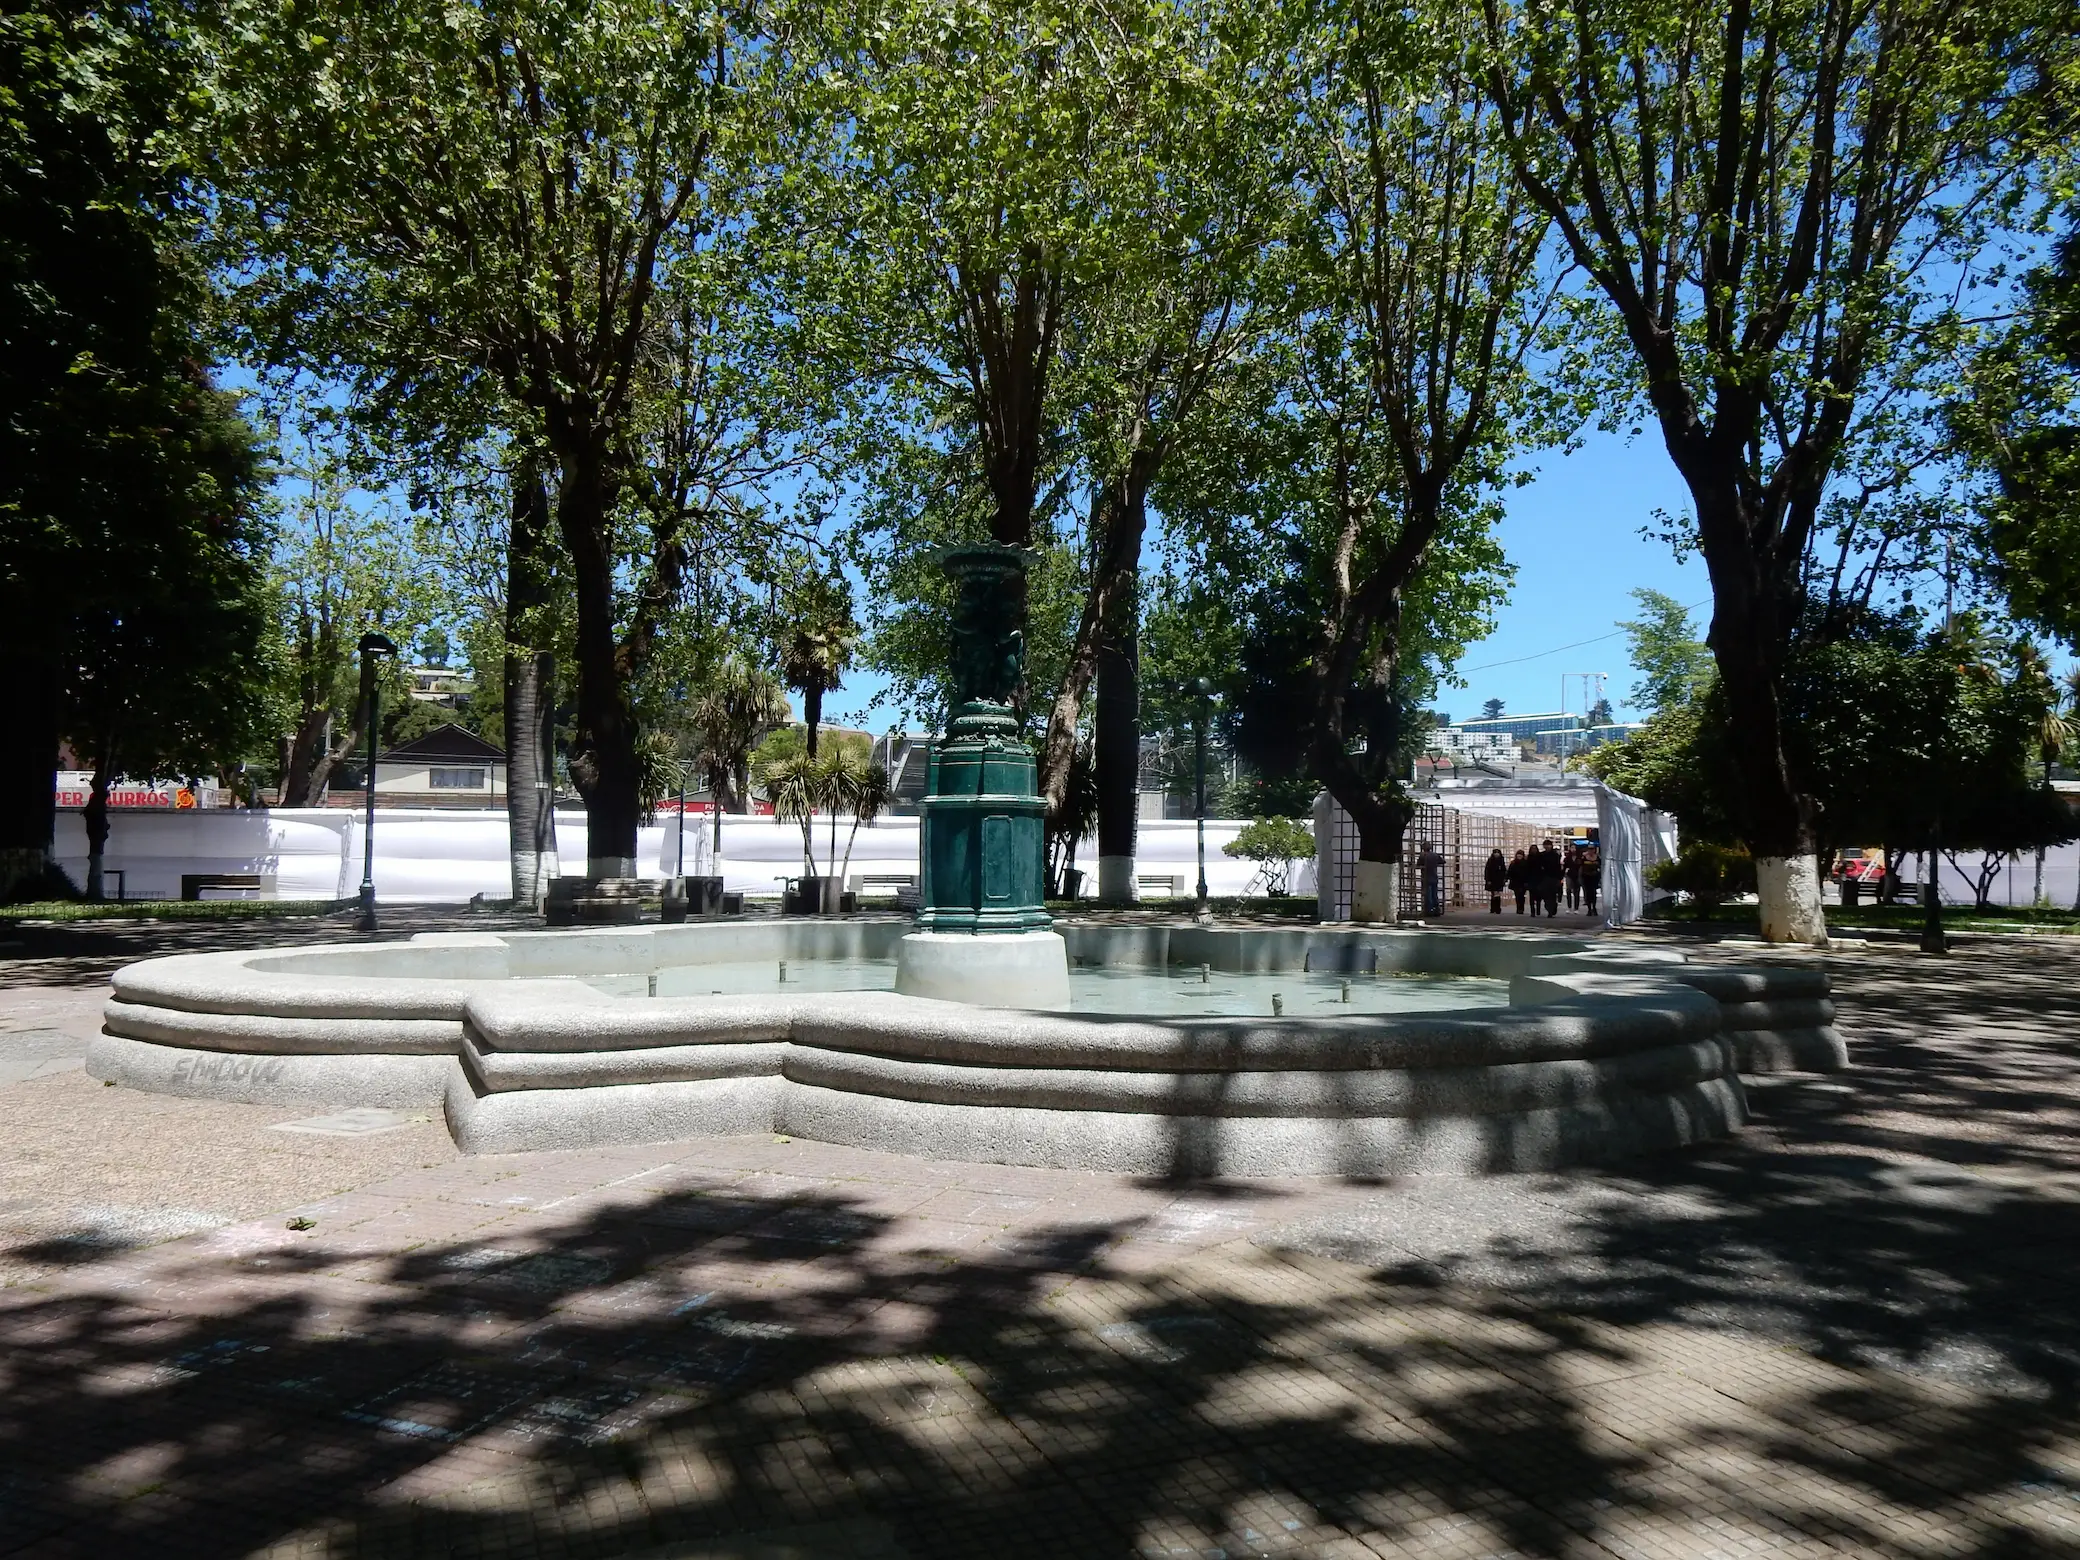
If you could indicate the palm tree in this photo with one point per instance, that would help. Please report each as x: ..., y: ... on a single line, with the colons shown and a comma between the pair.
x: 855, y: 783
x: 728, y: 718
x: 795, y: 786
x: 819, y: 648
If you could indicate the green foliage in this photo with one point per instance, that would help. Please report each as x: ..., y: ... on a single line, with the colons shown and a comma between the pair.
x: 726, y: 721
x: 168, y: 909
x: 1900, y: 735
x: 1677, y: 762
x: 1274, y: 844
x: 345, y: 564
x: 1674, y: 666
x: 1706, y: 874
x: 130, y: 488
x: 2017, y: 418
x: 1254, y: 795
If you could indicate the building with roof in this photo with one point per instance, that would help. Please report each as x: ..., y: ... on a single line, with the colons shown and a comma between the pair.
x: 447, y: 767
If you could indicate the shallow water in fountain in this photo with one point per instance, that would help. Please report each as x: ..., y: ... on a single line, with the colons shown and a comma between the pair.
x: 1177, y: 992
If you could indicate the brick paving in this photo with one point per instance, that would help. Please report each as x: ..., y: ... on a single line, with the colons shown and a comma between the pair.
x: 1851, y: 1332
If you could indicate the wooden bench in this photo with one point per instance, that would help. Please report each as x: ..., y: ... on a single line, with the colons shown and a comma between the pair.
x: 195, y: 884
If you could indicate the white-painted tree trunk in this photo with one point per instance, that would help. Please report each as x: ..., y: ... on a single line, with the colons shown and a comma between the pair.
x: 1116, y: 883
x: 1789, y: 890
x: 601, y: 868
x: 1376, y: 891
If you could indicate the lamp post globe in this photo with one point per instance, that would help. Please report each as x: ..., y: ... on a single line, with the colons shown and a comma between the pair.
x: 371, y: 647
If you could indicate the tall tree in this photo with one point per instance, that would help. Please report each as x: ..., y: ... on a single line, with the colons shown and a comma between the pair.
x: 528, y: 676
x: 1192, y: 176
x: 1419, y: 306
x: 344, y: 565
x: 817, y: 646
x: 985, y: 198
x: 563, y: 164
x: 165, y: 678
x: 104, y: 404
x: 1674, y: 665
x: 2017, y: 418
x: 1763, y: 195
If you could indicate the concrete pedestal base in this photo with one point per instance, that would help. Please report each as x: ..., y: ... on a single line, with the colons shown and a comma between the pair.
x: 1002, y: 970
x: 594, y: 902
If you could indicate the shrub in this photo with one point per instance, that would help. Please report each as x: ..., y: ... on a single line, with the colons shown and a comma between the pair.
x: 1274, y: 844
x: 1706, y: 875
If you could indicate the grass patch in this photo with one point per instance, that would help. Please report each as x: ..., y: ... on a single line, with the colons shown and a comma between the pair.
x: 1897, y: 918
x: 170, y: 909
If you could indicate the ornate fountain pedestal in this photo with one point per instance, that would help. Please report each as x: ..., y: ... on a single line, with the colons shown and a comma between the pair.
x: 982, y: 928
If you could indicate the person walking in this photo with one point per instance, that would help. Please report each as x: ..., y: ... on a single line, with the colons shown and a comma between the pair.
x: 1430, y: 863
x: 1550, y: 873
x: 1573, y: 872
x: 1496, y: 876
x: 1592, y: 878
x: 1519, y: 878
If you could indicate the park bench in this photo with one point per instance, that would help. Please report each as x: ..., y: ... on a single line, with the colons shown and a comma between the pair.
x: 194, y: 885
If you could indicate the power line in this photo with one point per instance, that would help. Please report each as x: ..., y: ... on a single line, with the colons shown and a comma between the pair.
x: 1460, y: 671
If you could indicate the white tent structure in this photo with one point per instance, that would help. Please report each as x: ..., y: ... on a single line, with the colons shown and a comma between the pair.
x: 1632, y: 836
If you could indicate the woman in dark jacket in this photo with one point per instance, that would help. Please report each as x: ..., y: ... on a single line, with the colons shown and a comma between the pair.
x: 1496, y: 876
x: 1592, y: 879
x: 1519, y: 878
x: 1548, y: 873
x: 1574, y: 877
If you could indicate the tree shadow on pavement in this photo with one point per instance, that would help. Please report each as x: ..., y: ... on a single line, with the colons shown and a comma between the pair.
x: 660, y: 1369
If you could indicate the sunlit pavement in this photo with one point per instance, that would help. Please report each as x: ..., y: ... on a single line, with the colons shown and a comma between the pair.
x: 1854, y: 1331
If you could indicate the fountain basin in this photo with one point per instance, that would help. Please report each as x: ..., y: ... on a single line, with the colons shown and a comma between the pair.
x: 1602, y: 1051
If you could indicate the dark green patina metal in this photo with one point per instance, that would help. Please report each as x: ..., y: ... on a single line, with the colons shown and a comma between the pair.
x: 983, y: 849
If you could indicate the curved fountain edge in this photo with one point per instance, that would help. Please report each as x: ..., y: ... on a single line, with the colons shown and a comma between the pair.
x: 1597, y: 1057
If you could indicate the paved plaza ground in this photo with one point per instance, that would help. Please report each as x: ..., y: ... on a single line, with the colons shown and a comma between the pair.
x: 232, y: 1330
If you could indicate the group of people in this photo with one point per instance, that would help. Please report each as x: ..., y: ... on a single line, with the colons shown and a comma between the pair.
x: 1542, y: 875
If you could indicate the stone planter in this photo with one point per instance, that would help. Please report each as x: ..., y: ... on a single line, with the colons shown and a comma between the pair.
x: 594, y: 902
x: 817, y: 896
x: 692, y: 896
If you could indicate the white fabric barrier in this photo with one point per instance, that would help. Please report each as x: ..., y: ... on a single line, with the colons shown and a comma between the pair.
x: 449, y: 855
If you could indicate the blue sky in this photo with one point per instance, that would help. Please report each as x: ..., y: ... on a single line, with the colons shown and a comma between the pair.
x: 1574, y: 535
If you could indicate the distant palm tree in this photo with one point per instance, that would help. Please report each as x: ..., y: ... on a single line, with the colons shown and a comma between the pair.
x: 727, y: 719
x: 855, y: 784
x: 819, y: 648
x: 795, y: 785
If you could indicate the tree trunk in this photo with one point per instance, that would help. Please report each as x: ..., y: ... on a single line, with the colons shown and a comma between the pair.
x: 95, y: 818
x: 530, y: 678
x: 531, y: 775
x: 1118, y: 523
x: 1749, y: 637
x: 1381, y: 817
x: 311, y: 760
x: 29, y: 770
x: 1117, y: 741
x: 603, y: 755
x: 812, y: 711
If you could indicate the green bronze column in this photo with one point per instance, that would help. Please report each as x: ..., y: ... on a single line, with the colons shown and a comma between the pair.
x: 982, y: 854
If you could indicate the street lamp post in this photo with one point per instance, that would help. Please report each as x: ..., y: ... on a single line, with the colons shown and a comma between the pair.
x: 1204, y: 690
x: 371, y: 646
